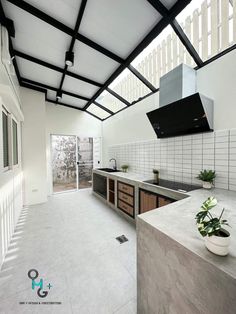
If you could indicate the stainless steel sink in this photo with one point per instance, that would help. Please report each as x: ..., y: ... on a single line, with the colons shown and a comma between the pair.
x: 108, y: 170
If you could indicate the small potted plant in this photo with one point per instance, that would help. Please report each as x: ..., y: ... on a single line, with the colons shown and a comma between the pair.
x: 124, y: 168
x: 217, y: 239
x: 156, y: 175
x: 207, y: 177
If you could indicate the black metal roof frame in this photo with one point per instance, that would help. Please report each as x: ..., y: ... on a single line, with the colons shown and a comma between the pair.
x: 168, y: 18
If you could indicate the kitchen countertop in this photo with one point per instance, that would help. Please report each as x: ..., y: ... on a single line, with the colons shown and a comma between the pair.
x: 125, y: 175
x: 138, y: 180
x: 177, y: 222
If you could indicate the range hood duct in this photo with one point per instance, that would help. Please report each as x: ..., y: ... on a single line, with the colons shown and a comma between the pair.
x: 181, y: 109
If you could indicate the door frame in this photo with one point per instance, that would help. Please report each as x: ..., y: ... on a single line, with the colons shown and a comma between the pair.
x: 76, y: 160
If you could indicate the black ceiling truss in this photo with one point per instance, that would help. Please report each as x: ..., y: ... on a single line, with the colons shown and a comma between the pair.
x: 102, y: 107
x: 133, y: 103
x: 141, y: 78
x: 42, y: 90
x: 178, y: 30
x: 70, y: 106
x: 55, y: 68
x: 9, y: 24
x: 157, y: 29
x: 118, y: 96
x: 31, y: 82
x: 65, y: 29
x: 72, y: 43
x: 168, y: 17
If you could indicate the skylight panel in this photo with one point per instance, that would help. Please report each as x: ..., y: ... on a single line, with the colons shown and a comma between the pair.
x: 97, y: 111
x: 110, y: 102
x: 128, y: 86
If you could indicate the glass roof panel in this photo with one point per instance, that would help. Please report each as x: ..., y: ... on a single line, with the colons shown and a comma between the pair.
x: 209, y: 26
x: 110, y: 102
x: 163, y: 54
x: 128, y: 86
x: 97, y: 111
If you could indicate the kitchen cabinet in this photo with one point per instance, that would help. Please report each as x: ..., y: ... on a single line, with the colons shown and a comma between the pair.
x: 111, y: 194
x: 100, y: 185
x: 149, y: 201
x: 125, y: 198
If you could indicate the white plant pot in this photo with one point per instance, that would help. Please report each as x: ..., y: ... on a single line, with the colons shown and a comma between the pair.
x: 218, y: 245
x: 206, y: 185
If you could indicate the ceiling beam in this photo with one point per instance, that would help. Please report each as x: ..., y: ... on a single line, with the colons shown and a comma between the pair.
x: 3, y: 20
x: 63, y: 104
x: 157, y: 29
x: 65, y: 29
x: 133, y: 103
x: 72, y: 43
x: 55, y: 68
x: 23, y: 79
x: 70, y: 106
x: 141, y: 78
x: 178, y: 30
x: 9, y: 24
x: 118, y: 97
x: 102, y: 107
x: 33, y: 87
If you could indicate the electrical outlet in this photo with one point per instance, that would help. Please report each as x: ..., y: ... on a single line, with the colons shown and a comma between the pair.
x: 35, y: 190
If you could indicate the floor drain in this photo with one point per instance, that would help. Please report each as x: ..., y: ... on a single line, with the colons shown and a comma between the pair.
x: 122, y: 239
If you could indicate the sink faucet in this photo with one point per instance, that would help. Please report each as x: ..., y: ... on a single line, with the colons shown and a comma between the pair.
x: 115, y: 166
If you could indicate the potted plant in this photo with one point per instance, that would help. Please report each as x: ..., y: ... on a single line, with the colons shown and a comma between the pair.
x: 156, y: 175
x: 217, y: 239
x: 124, y: 168
x: 207, y: 177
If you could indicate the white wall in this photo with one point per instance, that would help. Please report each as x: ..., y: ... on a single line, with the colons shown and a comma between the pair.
x: 10, y: 192
x: 216, y: 80
x: 34, y: 147
x: 67, y: 121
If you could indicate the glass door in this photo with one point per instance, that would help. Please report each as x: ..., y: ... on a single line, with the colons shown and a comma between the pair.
x: 64, y: 170
x: 85, y: 161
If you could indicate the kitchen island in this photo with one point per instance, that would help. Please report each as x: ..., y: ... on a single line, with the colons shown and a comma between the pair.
x: 176, y: 273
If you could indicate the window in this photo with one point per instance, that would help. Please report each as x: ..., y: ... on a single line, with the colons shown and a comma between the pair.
x: 5, y: 139
x: 14, y: 142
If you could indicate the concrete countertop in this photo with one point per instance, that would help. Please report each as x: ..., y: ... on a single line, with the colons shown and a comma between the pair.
x: 138, y: 180
x: 177, y: 222
x: 124, y: 175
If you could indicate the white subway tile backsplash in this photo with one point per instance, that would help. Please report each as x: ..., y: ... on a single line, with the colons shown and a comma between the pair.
x: 182, y: 158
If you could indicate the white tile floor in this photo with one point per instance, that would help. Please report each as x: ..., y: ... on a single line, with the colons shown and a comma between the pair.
x: 70, y: 240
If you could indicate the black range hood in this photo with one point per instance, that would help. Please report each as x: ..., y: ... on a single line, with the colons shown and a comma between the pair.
x: 181, y: 110
x: 192, y: 114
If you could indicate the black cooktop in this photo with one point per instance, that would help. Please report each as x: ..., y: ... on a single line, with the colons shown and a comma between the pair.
x: 178, y: 186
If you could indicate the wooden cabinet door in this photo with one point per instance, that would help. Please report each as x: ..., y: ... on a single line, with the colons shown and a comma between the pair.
x: 162, y: 201
x: 148, y: 201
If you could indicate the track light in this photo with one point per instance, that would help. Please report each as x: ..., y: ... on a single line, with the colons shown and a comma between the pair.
x: 69, y: 59
x: 59, y: 95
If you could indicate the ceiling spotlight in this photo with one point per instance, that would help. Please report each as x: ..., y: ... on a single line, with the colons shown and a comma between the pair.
x: 69, y: 60
x: 59, y: 95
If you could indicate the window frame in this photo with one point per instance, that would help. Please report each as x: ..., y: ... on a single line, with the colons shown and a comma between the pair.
x: 17, y: 142
x: 8, y: 167
x: 10, y: 142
